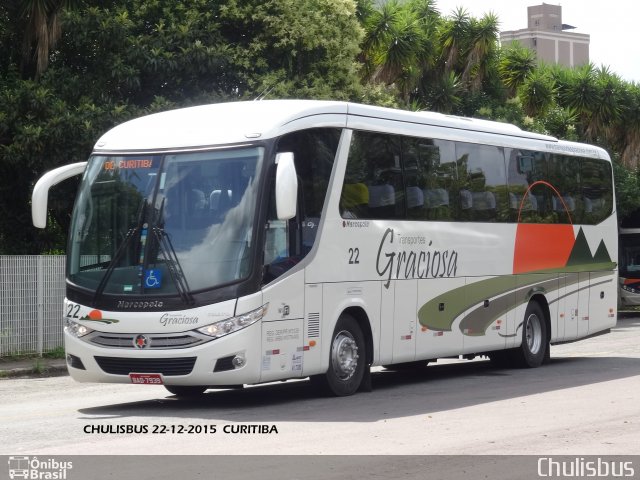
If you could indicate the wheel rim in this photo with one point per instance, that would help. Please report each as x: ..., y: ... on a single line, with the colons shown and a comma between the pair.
x: 344, y: 355
x: 533, y: 333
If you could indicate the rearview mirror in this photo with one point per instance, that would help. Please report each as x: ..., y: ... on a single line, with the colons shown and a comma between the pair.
x: 40, y: 195
x: 286, y: 186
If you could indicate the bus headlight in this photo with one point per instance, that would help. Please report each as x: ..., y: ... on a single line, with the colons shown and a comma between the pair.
x: 75, y: 329
x: 230, y: 325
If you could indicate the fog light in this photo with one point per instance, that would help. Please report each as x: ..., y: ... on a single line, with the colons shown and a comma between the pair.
x: 238, y: 361
x: 75, y: 362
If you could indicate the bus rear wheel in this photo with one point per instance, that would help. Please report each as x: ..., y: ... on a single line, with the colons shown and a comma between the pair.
x: 186, y: 391
x: 347, y: 359
x: 535, y: 344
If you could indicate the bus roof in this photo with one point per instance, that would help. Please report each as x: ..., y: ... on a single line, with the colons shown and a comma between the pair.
x: 237, y: 122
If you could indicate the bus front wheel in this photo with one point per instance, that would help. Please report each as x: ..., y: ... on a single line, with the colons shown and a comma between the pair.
x: 347, y: 359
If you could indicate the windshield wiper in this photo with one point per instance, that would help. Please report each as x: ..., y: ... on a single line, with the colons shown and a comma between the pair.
x: 131, y: 233
x: 173, y: 265
x: 114, y: 261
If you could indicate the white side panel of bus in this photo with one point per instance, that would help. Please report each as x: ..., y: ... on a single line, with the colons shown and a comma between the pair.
x: 439, y: 334
x: 312, y: 344
x: 602, y: 309
x: 485, y: 321
x: 570, y: 282
x: 405, y: 320
x: 387, y: 309
x: 336, y: 298
x: 282, y: 328
x: 583, y: 304
x: 561, y: 310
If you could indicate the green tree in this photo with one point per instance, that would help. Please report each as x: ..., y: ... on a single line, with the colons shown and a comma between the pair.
x: 452, y: 36
x: 482, y: 46
x: 399, y: 44
x: 296, y: 48
x: 117, y: 60
x: 515, y: 65
x: 39, y: 20
x: 537, y: 93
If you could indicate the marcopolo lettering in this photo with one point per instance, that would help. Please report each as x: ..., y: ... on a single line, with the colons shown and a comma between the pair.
x: 407, y: 264
x: 140, y: 304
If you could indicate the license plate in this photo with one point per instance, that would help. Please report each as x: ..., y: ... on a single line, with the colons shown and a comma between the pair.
x: 146, y: 378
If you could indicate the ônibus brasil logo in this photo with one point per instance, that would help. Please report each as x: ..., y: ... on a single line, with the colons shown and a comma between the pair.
x: 38, y: 469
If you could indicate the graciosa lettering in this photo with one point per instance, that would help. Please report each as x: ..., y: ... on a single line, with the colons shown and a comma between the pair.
x: 407, y: 264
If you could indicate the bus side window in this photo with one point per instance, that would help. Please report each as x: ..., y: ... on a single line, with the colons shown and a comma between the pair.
x: 429, y: 175
x: 373, y: 186
x: 482, y: 180
x: 529, y: 200
x: 597, y: 193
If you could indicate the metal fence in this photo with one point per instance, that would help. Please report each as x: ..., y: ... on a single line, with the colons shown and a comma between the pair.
x: 31, y: 303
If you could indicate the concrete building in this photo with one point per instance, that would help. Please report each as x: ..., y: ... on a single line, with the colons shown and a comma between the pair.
x: 549, y: 38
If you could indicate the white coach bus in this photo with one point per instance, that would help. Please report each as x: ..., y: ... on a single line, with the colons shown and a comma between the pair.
x: 249, y: 242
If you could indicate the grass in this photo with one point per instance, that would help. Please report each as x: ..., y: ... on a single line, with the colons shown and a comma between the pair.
x: 38, y: 366
x: 56, y: 353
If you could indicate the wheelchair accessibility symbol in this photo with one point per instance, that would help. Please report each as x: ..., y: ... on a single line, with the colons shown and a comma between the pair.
x: 152, y: 278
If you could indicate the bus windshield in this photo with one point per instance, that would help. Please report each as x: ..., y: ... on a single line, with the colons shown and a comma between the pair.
x: 165, y: 224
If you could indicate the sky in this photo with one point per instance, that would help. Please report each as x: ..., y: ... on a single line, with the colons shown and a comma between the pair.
x: 612, y: 24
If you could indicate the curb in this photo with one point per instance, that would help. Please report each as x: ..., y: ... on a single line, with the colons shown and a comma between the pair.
x: 52, y: 370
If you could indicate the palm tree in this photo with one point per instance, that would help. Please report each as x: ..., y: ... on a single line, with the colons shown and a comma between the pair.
x: 376, y: 24
x: 537, y: 93
x: 515, y: 65
x: 608, y: 111
x: 625, y: 133
x: 483, y: 42
x: 42, y: 29
x: 400, y: 49
x: 399, y: 45
x: 453, y: 37
x: 443, y: 93
x: 578, y: 91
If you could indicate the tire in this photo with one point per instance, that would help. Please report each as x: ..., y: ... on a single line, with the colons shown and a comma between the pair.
x: 535, y: 343
x: 184, y: 391
x: 347, y: 359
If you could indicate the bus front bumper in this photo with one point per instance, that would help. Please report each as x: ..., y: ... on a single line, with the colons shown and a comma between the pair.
x: 230, y: 360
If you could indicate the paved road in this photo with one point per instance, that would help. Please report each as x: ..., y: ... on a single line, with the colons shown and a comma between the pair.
x: 587, y: 401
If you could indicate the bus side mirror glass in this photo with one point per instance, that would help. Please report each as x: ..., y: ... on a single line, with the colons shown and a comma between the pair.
x: 286, y: 186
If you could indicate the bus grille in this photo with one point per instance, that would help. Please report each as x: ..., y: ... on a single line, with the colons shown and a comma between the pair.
x: 159, y: 341
x: 166, y: 366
